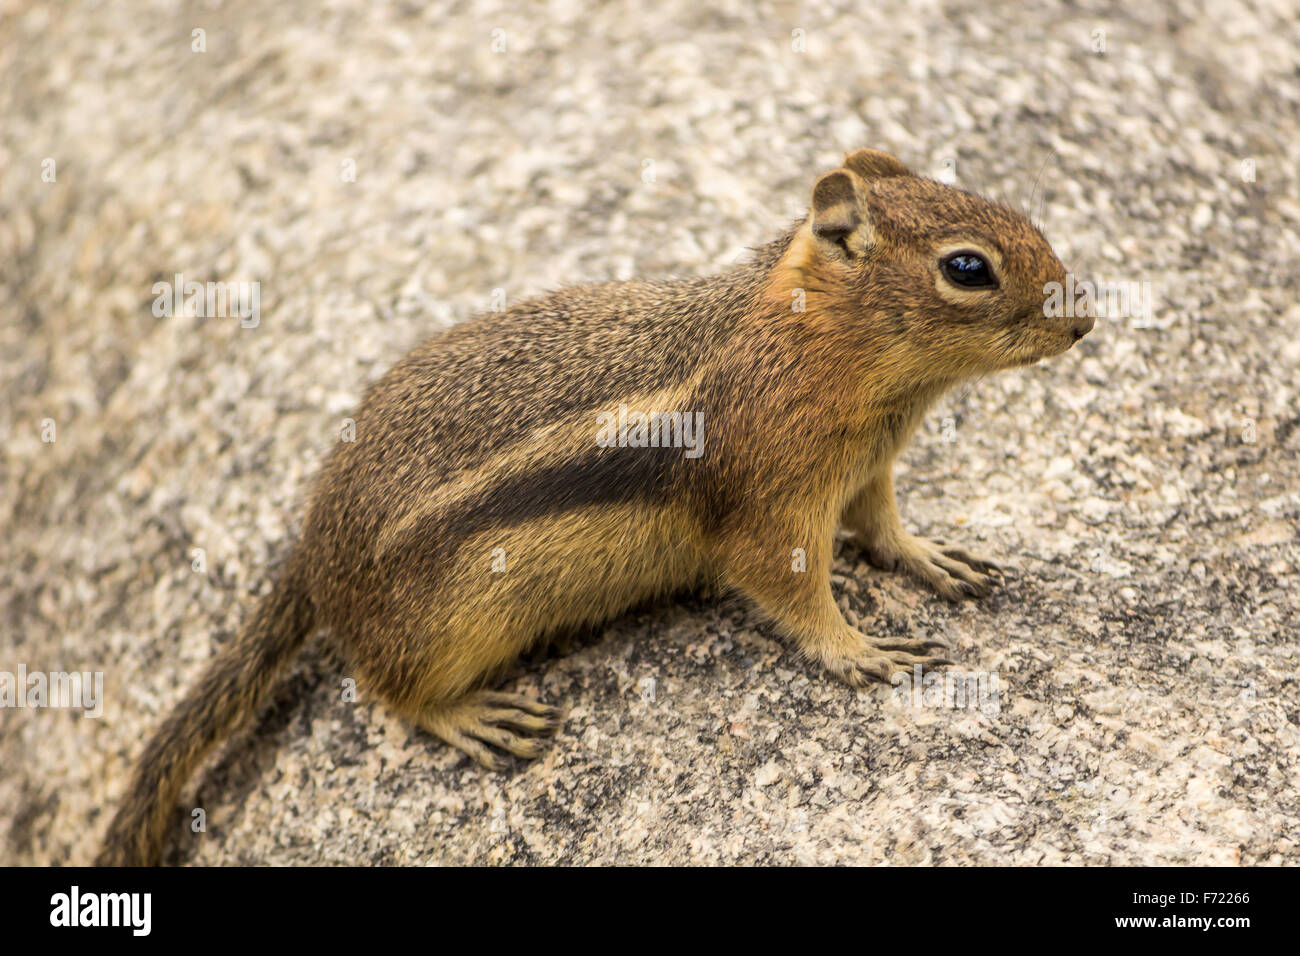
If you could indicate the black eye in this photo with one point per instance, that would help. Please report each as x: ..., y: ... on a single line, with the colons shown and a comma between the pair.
x: 968, y: 269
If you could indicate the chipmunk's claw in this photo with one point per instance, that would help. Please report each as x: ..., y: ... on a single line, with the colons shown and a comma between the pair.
x: 953, y: 572
x: 870, y: 661
x: 514, y: 723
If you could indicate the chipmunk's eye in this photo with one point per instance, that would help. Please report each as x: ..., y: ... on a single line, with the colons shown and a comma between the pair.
x: 969, y: 270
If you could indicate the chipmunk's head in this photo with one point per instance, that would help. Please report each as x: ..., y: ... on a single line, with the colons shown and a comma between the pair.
x: 962, y: 286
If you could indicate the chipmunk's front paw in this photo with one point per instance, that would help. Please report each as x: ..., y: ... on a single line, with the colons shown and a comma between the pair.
x: 953, y: 572
x: 862, y: 661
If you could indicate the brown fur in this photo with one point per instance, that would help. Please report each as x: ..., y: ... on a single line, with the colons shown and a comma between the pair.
x: 484, y: 438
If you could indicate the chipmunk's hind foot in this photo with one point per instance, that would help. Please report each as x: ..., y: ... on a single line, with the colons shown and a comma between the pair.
x: 486, y: 719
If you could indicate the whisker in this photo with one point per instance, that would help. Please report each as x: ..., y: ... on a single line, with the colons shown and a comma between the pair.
x: 1050, y: 156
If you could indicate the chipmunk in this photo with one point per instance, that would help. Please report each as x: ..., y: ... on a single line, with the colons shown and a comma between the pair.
x: 479, y: 510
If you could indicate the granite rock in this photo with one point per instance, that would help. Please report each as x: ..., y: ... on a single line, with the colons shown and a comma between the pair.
x: 385, y: 169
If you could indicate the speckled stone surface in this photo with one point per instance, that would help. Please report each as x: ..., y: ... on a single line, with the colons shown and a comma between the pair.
x: 1144, y: 488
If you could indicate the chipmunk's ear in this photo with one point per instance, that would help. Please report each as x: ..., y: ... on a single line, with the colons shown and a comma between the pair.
x: 873, y: 164
x: 839, y: 207
x: 839, y: 213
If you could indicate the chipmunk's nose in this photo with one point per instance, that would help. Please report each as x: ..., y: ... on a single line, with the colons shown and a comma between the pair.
x: 1082, y: 328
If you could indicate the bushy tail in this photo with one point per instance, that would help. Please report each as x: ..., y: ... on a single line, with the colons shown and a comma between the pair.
x: 230, y: 691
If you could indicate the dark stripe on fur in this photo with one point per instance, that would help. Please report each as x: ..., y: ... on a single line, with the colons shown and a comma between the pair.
x: 605, y: 476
